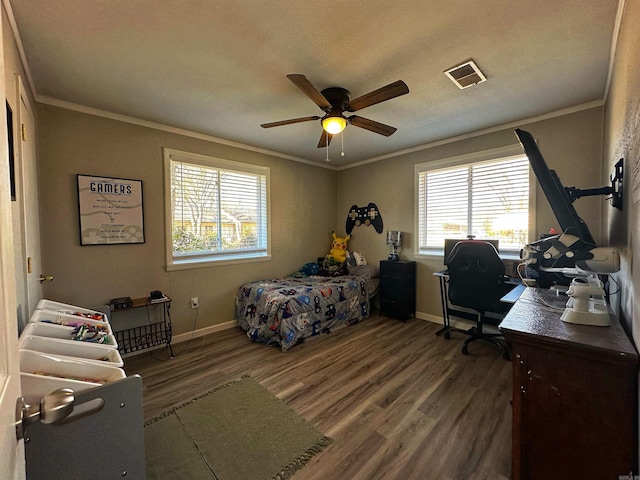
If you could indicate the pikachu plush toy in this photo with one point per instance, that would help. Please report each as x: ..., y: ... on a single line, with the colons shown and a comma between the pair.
x: 339, y: 248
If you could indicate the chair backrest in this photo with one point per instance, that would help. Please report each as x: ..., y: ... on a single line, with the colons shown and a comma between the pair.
x: 476, y: 276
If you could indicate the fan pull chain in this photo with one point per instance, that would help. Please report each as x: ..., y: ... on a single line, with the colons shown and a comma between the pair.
x: 327, y: 147
x: 342, y: 139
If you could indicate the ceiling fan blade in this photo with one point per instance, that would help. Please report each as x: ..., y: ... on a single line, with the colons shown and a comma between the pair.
x: 309, y: 90
x: 289, y: 122
x: 385, y: 93
x: 325, y: 139
x: 372, y: 125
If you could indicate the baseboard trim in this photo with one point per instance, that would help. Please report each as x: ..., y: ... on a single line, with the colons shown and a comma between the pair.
x: 429, y: 317
x: 456, y: 322
x: 218, y: 327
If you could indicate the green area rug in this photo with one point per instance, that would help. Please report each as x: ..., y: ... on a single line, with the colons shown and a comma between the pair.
x: 237, y: 431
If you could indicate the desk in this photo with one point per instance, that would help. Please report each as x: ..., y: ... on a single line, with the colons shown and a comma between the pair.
x: 149, y: 334
x: 446, y: 329
x: 575, y: 393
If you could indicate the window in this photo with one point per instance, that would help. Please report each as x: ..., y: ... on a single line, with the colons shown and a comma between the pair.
x: 217, y: 210
x: 484, y: 195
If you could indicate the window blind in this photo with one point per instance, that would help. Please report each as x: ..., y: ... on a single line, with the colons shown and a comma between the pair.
x: 217, y: 211
x: 487, y: 199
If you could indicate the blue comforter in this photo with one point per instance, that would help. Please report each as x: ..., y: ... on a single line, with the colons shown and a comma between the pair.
x: 287, y: 311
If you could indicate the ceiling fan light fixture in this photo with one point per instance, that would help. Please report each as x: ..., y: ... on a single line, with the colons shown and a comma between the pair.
x: 334, y: 123
x: 335, y: 101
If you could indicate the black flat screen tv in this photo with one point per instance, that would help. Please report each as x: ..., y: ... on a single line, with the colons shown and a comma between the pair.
x: 553, y: 189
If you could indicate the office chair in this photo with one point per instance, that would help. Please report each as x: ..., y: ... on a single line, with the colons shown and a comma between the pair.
x: 477, y: 281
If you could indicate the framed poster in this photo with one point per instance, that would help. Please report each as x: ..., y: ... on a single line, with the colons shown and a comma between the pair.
x: 110, y: 210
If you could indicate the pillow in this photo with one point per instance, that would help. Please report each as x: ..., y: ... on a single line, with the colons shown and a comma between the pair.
x: 360, y: 259
x: 370, y: 271
x: 340, y: 270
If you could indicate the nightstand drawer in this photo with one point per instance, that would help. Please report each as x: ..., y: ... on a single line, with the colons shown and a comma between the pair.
x: 394, y: 269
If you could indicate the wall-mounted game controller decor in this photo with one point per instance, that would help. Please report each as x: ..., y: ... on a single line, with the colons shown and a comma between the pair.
x: 369, y: 215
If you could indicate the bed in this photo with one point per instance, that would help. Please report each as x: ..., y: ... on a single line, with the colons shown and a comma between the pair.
x: 288, y: 311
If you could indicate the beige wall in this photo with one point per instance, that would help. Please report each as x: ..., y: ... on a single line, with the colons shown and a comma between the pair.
x: 571, y: 144
x: 72, y: 142
x: 303, y: 206
x: 622, y: 140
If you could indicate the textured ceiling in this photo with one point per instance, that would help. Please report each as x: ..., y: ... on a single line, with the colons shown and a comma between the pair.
x: 217, y: 67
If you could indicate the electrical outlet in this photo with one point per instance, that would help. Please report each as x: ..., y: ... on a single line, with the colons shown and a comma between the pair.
x: 194, y: 302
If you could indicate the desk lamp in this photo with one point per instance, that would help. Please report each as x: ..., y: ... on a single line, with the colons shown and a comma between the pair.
x: 394, y: 238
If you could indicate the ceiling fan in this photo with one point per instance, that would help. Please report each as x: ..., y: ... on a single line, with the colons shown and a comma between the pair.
x: 334, y: 101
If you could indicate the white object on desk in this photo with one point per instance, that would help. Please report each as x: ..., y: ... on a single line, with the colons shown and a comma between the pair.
x: 586, y: 304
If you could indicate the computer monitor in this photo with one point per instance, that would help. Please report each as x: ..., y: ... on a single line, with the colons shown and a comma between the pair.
x: 553, y: 189
x: 449, y: 243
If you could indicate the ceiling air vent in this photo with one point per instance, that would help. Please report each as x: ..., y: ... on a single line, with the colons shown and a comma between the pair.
x: 466, y: 75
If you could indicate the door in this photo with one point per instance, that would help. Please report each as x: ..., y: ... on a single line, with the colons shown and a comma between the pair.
x: 11, y: 451
x: 26, y: 152
x: 17, y: 215
x: 24, y: 207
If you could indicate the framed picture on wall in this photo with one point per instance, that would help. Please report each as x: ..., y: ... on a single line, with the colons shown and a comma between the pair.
x: 110, y: 210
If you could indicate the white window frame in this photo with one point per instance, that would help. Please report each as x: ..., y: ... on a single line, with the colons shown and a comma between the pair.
x: 468, y: 159
x: 182, y: 263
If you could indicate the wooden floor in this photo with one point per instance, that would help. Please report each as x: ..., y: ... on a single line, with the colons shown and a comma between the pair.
x: 398, y: 402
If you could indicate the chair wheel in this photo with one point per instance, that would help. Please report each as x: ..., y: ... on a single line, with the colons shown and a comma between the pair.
x: 465, y: 351
x: 447, y: 336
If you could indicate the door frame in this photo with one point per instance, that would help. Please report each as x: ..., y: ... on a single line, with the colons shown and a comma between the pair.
x: 12, y: 465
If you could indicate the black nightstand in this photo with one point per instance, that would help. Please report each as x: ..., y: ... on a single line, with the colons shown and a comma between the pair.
x: 398, y: 288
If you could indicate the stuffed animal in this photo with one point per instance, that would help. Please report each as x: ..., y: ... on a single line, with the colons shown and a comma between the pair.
x: 310, y: 269
x: 339, y: 248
